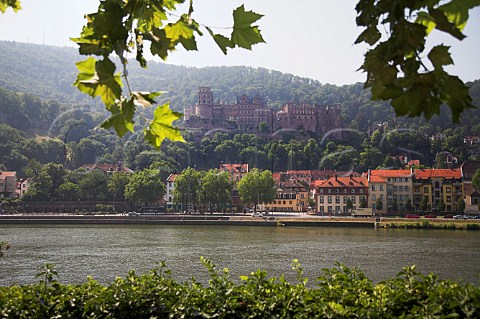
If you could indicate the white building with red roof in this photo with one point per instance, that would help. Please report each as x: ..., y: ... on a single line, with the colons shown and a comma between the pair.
x: 333, y: 194
x: 8, y: 183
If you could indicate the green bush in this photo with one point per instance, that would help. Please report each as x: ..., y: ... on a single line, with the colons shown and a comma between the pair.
x: 104, y: 208
x: 340, y: 292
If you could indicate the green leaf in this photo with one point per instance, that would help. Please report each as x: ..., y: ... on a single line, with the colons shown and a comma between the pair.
x: 178, y: 30
x: 222, y: 41
x: 456, y: 11
x: 161, y: 126
x: 145, y: 98
x: 426, y: 20
x: 444, y: 25
x: 439, y: 56
x: 97, y: 78
x: 160, y: 45
x: 369, y: 35
x: 244, y: 34
x: 5, y: 4
x: 121, y: 118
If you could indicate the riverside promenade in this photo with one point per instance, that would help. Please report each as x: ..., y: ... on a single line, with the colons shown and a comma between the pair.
x: 164, y: 219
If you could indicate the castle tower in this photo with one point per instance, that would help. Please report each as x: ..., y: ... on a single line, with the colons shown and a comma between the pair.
x: 204, y: 107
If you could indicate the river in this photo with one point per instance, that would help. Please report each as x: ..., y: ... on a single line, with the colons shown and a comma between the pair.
x: 109, y: 251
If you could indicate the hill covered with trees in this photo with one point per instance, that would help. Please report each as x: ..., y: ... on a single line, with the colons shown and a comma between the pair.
x: 46, y: 119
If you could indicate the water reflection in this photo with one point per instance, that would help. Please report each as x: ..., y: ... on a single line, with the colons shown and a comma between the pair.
x: 109, y: 251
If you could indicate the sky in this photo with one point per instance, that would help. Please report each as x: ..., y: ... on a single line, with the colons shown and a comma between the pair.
x: 307, y: 38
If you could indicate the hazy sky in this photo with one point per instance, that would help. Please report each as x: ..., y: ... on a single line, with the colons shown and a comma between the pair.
x: 309, y: 38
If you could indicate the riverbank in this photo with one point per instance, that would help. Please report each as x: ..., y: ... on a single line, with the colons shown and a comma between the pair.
x: 240, y: 220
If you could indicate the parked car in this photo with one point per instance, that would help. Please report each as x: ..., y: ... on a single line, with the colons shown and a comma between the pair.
x: 412, y: 216
x: 448, y: 216
x: 458, y: 217
x: 477, y: 217
x: 134, y: 213
x: 257, y: 214
x: 430, y: 216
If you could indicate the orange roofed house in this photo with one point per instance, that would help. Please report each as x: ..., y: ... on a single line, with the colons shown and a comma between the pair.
x: 392, y: 186
x: 438, y: 185
x: 332, y: 195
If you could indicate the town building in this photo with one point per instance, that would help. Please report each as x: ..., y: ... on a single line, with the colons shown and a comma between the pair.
x: 170, y: 186
x: 8, y: 184
x: 289, y: 197
x: 333, y: 194
x: 398, y: 188
x: 22, y: 187
x: 472, y: 198
x: 438, y: 185
x: 251, y: 114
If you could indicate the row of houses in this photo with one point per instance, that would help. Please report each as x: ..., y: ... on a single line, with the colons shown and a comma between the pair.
x: 394, y: 190
x: 330, y: 191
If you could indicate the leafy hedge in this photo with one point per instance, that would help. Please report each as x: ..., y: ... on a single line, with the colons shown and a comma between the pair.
x: 340, y: 292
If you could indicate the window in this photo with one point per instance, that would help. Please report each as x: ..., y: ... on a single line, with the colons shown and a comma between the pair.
x: 329, y: 190
x: 449, y: 198
x: 361, y: 190
x: 381, y: 187
x: 448, y: 189
x: 345, y: 199
x: 354, y: 199
x: 289, y: 202
x: 353, y: 190
x: 373, y: 187
x: 329, y: 199
x: 381, y: 196
x: 425, y: 189
x: 337, y: 208
x: 337, y: 199
x: 321, y: 191
x: 322, y: 209
x: 329, y: 209
x: 345, y: 190
x: 337, y: 191
x: 405, y: 188
x: 321, y: 199
x: 374, y: 197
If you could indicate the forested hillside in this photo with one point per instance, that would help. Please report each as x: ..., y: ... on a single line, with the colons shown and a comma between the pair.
x: 45, y: 119
x: 48, y: 72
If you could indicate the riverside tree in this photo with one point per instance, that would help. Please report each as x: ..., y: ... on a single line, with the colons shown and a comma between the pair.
x: 187, y: 188
x: 398, y: 67
x: 215, y: 189
x: 145, y: 187
x: 257, y: 187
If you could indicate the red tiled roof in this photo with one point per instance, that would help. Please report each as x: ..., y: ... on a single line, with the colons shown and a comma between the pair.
x: 234, y: 167
x: 377, y: 179
x: 445, y: 173
x: 171, y: 177
x: 4, y: 173
x: 345, y: 182
x: 391, y: 172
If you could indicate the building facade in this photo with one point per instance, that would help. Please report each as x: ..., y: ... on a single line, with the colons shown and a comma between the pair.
x: 289, y: 197
x: 438, y: 185
x: 8, y: 184
x: 398, y: 188
x: 333, y: 194
x: 247, y: 113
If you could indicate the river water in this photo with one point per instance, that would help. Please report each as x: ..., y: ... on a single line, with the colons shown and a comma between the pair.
x: 109, y: 251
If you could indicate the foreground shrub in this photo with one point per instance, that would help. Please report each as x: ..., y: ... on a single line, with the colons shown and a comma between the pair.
x: 340, y: 292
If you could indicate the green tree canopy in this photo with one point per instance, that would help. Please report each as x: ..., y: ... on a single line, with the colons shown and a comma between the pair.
x: 215, y: 189
x: 187, y: 188
x: 256, y: 187
x: 145, y: 187
x: 476, y: 180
